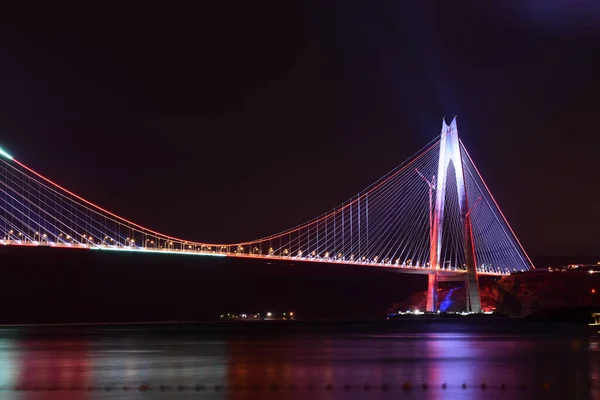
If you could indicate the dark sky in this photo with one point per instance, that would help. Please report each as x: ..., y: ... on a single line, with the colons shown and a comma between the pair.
x: 229, y: 121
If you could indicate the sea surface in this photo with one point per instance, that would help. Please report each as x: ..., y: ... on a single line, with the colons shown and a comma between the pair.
x: 415, y: 359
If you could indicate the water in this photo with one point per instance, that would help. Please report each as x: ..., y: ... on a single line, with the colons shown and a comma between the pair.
x: 301, y: 361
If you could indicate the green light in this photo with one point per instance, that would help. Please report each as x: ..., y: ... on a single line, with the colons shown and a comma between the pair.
x: 190, y: 253
x: 5, y: 154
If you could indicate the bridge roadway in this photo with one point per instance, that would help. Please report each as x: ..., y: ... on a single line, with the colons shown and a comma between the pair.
x: 443, y: 273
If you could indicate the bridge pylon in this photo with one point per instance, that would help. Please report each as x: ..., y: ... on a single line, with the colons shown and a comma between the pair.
x: 450, y: 154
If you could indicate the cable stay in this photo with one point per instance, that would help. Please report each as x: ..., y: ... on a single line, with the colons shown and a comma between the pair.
x: 388, y: 224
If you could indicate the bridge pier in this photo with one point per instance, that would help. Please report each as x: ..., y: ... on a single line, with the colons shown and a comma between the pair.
x: 432, y: 288
x: 473, y: 295
x: 450, y: 155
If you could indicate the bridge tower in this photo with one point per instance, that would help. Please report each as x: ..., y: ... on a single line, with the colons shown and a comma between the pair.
x: 450, y: 153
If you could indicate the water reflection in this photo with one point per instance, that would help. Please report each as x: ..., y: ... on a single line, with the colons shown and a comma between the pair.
x: 8, y: 358
x: 109, y: 364
x: 593, y: 353
x: 39, y: 368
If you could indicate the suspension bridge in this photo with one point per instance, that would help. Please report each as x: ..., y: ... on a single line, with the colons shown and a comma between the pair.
x: 433, y: 214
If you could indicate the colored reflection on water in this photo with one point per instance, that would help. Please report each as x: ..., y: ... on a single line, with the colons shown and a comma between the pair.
x: 137, y: 363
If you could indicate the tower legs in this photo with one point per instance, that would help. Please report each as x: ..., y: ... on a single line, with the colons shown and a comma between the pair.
x: 471, y: 281
x: 473, y: 296
x: 473, y: 299
x: 432, y: 288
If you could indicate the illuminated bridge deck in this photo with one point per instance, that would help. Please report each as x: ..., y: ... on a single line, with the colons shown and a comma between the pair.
x: 412, y: 269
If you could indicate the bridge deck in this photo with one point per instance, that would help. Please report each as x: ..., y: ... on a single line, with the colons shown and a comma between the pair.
x: 410, y: 269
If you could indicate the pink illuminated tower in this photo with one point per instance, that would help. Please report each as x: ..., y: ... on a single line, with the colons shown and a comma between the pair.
x: 450, y: 154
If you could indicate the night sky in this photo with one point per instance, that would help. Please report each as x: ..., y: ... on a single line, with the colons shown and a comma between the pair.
x: 228, y: 122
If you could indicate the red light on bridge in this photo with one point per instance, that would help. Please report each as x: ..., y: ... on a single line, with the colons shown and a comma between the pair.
x: 593, y: 291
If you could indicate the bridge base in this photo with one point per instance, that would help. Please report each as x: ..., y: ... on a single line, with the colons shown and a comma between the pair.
x: 471, y: 283
x: 432, y: 288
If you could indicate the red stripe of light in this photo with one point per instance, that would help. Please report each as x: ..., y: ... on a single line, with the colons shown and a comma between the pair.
x: 102, y: 209
x: 172, y: 238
